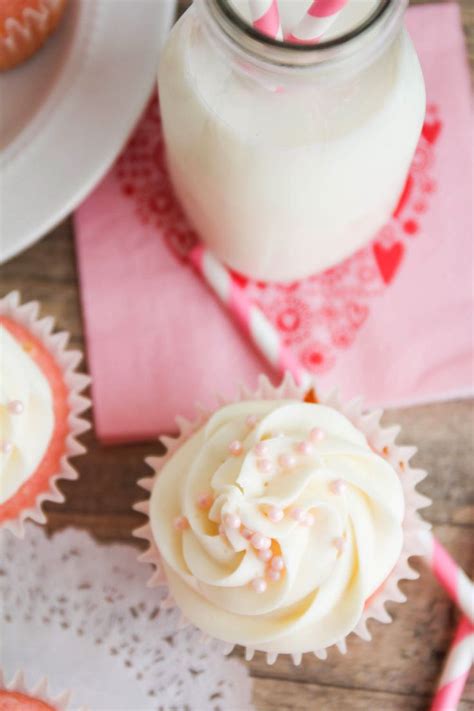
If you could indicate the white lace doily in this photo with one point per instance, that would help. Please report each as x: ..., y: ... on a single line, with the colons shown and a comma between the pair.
x: 80, y: 614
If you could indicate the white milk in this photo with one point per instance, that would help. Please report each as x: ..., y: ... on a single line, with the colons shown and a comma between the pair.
x: 283, y: 177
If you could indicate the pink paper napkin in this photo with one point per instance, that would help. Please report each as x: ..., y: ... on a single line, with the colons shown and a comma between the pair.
x: 393, y: 322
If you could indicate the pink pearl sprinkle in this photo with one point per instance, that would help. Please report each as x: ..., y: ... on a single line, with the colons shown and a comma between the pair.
x: 308, y: 520
x: 339, y: 543
x: 287, y: 461
x: 338, y: 486
x: 261, y: 449
x: 232, y: 521
x: 304, y: 447
x: 7, y: 447
x: 181, y: 523
x: 297, y: 514
x: 15, y: 407
x: 260, y: 542
x: 204, y: 501
x: 246, y: 533
x: 236, y: 448
x: 277, y: 563
x: 274, y: 575
x: 316, y: 435
x: 264, y: 466
x: 251, y: 421
x: 259, y: 585
x: 275, y: 514
x: 265, y: 555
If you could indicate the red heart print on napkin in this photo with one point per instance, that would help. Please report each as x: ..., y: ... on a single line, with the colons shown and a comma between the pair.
x: 431, y: 131
x: 388, y: 259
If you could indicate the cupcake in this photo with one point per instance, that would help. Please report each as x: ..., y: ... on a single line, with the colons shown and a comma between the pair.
x: 24, y: 27
x: 40, y: 409
x: 15, y: 696
x: 282, y: 525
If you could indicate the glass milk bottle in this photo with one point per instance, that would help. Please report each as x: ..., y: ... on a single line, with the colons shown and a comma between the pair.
x: 287, y: 158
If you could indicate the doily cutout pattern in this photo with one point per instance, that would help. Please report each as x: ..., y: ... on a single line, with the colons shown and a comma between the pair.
x: 81, y: 615
x: 319, y: 317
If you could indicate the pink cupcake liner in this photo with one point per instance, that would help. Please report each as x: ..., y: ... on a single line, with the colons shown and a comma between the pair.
x: 39, y: 692
x: 381, y: 439
x: 24, y: 37
x: 26, y: 315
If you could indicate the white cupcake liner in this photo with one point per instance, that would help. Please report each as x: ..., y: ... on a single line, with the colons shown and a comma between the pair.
x: 381, y: 439
x: 24, y: 37
x: 38, y: 691
x: 26, y: 315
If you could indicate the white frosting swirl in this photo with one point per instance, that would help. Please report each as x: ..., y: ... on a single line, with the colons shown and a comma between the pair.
x: 331, y: 567
x: 24, y: 437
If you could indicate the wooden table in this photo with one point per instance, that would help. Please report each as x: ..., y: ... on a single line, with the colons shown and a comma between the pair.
x: 398, y: 669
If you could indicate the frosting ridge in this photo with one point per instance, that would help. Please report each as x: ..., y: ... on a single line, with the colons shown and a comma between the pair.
x: 26, y: 415
x: 276, y: 521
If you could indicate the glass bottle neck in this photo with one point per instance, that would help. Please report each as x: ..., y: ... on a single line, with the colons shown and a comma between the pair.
x: 348, y: 53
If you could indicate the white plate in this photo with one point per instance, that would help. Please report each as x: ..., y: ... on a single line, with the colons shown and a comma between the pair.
x: 66, y: 113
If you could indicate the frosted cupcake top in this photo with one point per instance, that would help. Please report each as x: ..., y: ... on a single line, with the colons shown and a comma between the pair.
x: 276, y: 522
x: 26, y: 415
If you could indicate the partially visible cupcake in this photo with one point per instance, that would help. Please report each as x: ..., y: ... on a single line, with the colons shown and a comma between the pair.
x: 283, y: 525
x: 15, y: 696
x: 25, y: 25
x: 40, y: 408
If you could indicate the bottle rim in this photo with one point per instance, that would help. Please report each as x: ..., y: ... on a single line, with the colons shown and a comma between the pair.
x: 368, y: 38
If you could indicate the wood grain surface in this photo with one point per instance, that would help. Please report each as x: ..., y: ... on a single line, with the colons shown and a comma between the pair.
x: 397, y: 671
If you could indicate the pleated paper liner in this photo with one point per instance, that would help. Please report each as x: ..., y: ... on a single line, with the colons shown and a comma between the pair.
x: 382, y: 441
x: 15, y: 695
x: 58, y: 365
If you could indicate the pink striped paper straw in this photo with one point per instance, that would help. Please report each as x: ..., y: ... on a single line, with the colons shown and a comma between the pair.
x: 263, y: 334
x: 456, y: 669
x: 318, y: 18
x: 450, y: 576
x: 266, y: 17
